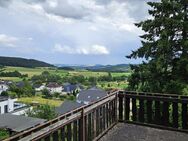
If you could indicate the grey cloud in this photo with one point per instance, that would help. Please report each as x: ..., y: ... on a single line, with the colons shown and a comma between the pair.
x: 137, y: 9
x: 34, y: 1
x: 67, y: 10
x: 5, y: 3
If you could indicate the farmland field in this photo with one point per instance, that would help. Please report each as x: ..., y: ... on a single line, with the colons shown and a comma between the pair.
x: 38, y: 71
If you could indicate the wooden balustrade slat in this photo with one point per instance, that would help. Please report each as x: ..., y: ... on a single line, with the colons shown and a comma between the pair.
x: 134, y: 110
x: 62, y: 134
x: 75, y: 130
x: 184, y: 116
x: 104, y: 117
x: 69, y: 132
x: 107, y: 115
x: 120, y: 108
x: 86, y: 126
x: 97, y: 122
x: 149, y: 111
x: 47, y: 138
x: 165, y: 114
x: 141, y: 110
x: 157, y: 113
x: 127, y: 108
x: 55, y: 136
x: 89, y: 129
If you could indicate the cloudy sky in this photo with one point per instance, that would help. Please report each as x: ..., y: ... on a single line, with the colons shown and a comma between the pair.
x: 71, y: 31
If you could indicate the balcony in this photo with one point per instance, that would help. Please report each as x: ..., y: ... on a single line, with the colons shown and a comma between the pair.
x: 132, y: 132
x: 119, y: 116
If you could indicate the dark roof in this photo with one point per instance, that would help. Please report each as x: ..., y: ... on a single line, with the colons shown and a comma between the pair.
x: 53, y: 85
x: 36, y: 85
x: 3, y: 98
x: 90, y: 95
x: 5, y: 82
x: 20, y: 84
x: 69, y: 88
x: 68, y: 106
x: 18, y: 123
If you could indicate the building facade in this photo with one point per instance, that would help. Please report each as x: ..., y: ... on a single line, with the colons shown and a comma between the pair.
x: 6, y: 105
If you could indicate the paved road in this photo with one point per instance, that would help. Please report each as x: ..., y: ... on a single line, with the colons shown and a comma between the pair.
x: 129, y: 132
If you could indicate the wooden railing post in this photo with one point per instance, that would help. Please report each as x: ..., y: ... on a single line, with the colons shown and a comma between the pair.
x: 94, y: 124
x: 149, y: 111
x: 184, y: 116
x: 120, y: 107
x: 47, y: 138
x: 141, y: 110
x: 134, y: 109
x: 55, y: 136
x: 62, y: 134
x: 157, y: 113
x: 75, y: 130
x: 82, y: 127
x: 165, y: 113
x: 127, y: 108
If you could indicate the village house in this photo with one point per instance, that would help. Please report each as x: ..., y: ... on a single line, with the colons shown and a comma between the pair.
x: 9, y: 105
x: 71, y: 88
x: 39, y: 87
x: 6, y: 104
x: 54, y: 88
x: 4, y: 86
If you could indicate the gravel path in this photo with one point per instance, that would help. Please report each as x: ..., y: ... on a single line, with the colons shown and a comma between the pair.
x: 130, y: 132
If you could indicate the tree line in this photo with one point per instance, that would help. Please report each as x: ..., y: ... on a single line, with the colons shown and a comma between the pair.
x: 22, y: 62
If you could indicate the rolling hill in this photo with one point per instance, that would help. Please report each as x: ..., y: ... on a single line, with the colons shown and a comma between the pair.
x: 22, y: 62
x: 100, y: 68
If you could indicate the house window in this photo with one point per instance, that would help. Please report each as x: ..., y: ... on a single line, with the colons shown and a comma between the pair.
x: 6, y: 109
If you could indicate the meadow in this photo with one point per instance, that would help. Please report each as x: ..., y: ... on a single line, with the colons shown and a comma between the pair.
x: 38, y: 71
x: 40, y: 100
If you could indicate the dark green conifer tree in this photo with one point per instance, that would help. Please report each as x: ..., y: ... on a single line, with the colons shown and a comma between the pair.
x: 164, y: 49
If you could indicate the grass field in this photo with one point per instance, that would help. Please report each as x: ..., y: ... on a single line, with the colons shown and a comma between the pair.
x: 40, y: 100
x: 38, y: 71
x: 115, y: 85
x: 15, y: 79
x: 29, y: 71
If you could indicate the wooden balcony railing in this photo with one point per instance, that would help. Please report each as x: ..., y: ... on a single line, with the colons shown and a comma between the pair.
x: 167, y: 111
x: 86, y: 123
x: 92, y: 121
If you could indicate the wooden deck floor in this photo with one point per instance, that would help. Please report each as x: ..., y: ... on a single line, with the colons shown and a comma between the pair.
x: 130, y: 132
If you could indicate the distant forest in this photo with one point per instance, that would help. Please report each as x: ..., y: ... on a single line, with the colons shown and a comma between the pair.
x: 22, y: 62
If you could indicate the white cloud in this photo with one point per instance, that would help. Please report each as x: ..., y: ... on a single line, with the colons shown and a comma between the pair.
x: 9, y: 41
x: 93, y: 50
x: 87, y: 26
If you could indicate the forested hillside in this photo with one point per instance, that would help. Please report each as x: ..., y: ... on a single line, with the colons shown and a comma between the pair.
x: 22, y: 62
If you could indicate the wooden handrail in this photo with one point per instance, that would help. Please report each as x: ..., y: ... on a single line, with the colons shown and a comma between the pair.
x: 129, y: 106
x: 87, y: 109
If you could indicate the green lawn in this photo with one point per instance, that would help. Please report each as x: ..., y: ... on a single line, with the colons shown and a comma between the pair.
x: 15, y: 79
x: 40, y: 100
x: 29, y: 71
x: 115, y: 85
